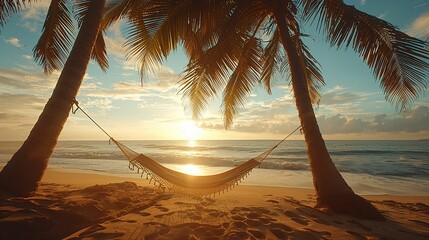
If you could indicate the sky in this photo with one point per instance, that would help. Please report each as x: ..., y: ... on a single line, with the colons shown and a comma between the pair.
x: 352, y: 107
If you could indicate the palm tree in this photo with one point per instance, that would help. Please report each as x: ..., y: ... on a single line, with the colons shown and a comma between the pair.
x: 23, y: 172
x: 228, y: 49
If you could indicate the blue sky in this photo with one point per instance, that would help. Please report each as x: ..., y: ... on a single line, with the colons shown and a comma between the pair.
x: 352, y: 106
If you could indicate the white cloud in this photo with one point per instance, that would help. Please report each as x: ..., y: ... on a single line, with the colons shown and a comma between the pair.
x: 32, y: 81
x: 362, y: 2
x: 27, y: 57
x: 420, y: 27
x: 13, y: 41
x: 37, y: 10
x: 340, y: 98
x: 162, y: 87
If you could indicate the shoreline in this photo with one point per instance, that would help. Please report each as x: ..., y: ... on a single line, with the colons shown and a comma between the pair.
x: 362, y: 184
x: 78, y: 204
x: 77, y: 178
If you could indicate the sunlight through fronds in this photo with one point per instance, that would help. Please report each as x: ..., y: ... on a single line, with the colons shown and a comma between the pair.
x: 53, y: 47
x: 398, y: 60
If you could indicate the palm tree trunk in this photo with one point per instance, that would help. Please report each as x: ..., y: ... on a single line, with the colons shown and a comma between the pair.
x: 23, y: 172
x: 331, y: 189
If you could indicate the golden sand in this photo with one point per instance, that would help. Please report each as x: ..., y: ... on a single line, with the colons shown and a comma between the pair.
x: 85, y: 205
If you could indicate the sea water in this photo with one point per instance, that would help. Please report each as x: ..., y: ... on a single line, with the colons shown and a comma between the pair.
x: 370, y: 167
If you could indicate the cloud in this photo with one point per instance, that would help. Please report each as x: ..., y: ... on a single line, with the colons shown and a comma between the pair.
x: 362, y: 2
x: 13, y: 41
x: 164, y: 86
x: 332, y: 98
x: 420, y: 27
x: 20, y: 101
x: 10, y: 117
x: 27, y: 57
x: 37, y: 10
x: 26, y: 81
x: 411, y: 121
x: 414, y: 120
x: 342, y: 124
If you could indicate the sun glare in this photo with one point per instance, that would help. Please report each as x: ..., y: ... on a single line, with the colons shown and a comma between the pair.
x: 190, y: 131
x: 191, y: 169
x: 192, y: 143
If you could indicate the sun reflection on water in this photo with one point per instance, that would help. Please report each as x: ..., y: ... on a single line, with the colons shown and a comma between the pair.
x: 192, y: 143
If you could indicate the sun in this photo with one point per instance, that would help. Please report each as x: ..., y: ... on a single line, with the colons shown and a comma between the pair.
x: 190, y: 131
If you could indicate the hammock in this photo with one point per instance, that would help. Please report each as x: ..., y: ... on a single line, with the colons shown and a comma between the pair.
x: 186, y: 184
x: 178, y: 182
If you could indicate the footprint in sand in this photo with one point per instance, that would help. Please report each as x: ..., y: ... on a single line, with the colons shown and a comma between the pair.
x: 144, y: 214
x: 162, y: 209
x: 240, y: 225
x: 193, y: 216
x: 279, y: 233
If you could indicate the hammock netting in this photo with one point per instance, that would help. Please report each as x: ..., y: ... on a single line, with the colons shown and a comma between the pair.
x: 178, y: 182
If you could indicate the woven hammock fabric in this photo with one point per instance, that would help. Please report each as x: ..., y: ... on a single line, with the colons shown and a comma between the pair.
x: 182, y: 183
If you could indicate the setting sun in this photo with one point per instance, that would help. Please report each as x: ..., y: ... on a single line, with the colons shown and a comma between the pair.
x: 190, y: 131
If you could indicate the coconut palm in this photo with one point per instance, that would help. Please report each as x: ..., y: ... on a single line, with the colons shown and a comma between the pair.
x: 24, y: 171
x: 234, y: 45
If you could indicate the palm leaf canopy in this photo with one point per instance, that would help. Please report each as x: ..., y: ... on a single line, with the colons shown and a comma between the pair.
x: 227, y: 44
x: 9, y: 7
x: 399, y: 61
x: 58, y: 33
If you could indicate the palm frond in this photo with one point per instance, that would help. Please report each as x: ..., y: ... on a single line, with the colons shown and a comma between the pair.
x: 242, y: 80
x: 9, y: 7
x: 137, y: 43
x: 271, y: 60
x: 99, y: 53
x: 51, y: 51
x: 81, y: 10
x: 197, y: 88
x: 156, y: 32
x: 314, y: 76
x: 398, y: 60
x: 120, y: 9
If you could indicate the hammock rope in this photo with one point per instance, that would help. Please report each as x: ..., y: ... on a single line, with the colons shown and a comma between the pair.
x: 178, y: 182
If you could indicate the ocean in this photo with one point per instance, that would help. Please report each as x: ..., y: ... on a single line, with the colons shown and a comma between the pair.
x: 370, y: 167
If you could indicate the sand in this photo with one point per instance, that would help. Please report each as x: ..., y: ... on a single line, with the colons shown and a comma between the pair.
x: 86, y: 205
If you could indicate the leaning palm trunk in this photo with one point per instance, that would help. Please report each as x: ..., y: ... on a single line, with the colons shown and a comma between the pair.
x: 331, y: 189
x: 24, y: 171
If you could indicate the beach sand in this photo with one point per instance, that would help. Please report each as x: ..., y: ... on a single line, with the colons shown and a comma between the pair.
x: 86, y: 205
